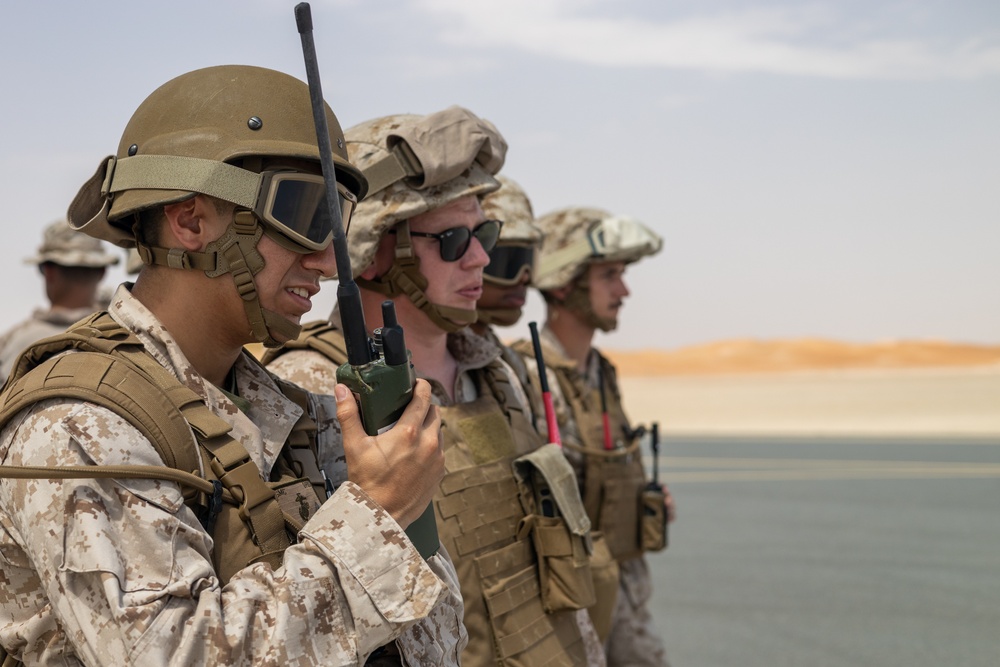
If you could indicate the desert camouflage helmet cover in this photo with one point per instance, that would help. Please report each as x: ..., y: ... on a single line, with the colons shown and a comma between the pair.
x: 510, y: 205
x: 416, y: 164
x: 575, y: 237
x: 179, y: 136
x: 64, y: 246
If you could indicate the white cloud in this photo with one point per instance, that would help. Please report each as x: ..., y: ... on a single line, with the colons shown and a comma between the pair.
x: 780, y: 41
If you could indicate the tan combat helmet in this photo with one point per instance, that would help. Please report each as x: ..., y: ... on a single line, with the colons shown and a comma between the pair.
x: 577, y: 237
x: 63, y: 245
x: 415, y: 164
x: 225, y: 132
x: 513, y: 256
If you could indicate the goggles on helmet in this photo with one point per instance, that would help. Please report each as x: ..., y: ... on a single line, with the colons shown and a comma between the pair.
x: 614, y: 239
x: 454, y: 242
x: 294, y: 205
x: 509, y: 263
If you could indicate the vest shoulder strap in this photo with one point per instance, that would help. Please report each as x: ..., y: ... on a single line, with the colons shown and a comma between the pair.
x: 321, y: 336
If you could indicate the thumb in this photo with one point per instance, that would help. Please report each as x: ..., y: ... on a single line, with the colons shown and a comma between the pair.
x: 348, y: 414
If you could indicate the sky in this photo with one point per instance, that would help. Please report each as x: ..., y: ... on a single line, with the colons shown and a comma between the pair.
x: 816, y: 169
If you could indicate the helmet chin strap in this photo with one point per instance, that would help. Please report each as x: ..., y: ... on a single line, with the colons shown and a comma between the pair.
x: 234, y: 252
x: 404, y: 277
x: 503, y: 317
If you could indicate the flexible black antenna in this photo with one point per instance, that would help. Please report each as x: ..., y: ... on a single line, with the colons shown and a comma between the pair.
x: 352, y: 315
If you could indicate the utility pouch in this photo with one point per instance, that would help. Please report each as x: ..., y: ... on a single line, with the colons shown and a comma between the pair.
x: 558, y: 527
x: 604, y: 569
x: 564, y: 573
x: 653, y: 519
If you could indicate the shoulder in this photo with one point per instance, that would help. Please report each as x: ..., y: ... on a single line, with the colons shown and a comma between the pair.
x: 306, y: 368
x: 64, y: 431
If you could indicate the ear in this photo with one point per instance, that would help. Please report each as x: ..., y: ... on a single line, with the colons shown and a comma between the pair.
x: 384, y: 255
x: 192, y: 222
x: 561, y: 293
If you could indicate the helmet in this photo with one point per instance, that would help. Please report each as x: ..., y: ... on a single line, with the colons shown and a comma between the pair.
x: 64, y: 246
x: 210, y: 131
x: 511, y: 205
x: 216, y: 114
x: 576, y: 237
x: 415, y: 164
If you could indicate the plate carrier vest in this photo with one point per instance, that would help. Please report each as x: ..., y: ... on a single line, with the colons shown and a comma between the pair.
x: 220, y: 482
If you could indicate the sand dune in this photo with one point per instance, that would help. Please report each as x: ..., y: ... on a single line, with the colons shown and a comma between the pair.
x: 757, y: 356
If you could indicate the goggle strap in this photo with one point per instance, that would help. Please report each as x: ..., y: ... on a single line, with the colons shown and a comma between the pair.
x: 552, y: 262
x: 172, y: 172
x: 400, y: 163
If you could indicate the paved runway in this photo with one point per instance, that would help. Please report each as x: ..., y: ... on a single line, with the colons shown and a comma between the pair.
x: 821, y: 552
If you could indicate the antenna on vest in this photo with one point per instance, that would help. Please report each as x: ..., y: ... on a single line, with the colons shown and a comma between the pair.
x: 543, y: 380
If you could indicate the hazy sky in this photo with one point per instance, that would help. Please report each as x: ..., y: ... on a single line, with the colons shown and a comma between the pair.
x: 815, y: 168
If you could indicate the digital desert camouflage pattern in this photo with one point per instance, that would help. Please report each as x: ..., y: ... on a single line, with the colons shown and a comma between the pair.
x: 628, y: 241
x: 633, y: 639
x: 65, y: 246
x: 44, y: 322
x: 105, y: 572
x: 460, y: 148
x: 511, y: 205
x: 317, y: 373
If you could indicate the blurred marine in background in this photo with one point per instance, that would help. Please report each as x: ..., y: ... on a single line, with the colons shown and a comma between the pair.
x: 73, y: 265
x: 580, y: 273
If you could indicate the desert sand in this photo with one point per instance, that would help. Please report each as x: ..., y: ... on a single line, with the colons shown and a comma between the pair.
x: 816, y: 387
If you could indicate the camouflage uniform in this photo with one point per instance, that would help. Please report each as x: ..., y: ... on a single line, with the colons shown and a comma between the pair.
x: 120, y: 572
x: 633, y: 639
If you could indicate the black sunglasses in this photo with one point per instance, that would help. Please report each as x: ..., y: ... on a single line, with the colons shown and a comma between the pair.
x: 454, y: 242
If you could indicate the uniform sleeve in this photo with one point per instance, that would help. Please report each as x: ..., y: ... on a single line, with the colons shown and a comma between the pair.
x: 126, y: 567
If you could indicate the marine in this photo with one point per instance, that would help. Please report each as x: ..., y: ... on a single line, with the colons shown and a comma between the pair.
x: 72, y: 265
x: 164, y: 499
x: 508, y: 509
x: 580, y: 273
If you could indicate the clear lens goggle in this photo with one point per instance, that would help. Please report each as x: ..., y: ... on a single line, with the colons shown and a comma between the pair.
x: 509, y: 263
x: 294, y: 205
x: 613, y: 239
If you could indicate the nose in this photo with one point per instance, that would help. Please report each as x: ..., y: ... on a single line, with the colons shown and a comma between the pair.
x: 323, y: 261
x: 475, y: 256
x: 623, y: 290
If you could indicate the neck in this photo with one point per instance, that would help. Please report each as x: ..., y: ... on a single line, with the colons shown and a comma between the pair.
x: 203, y: 331
x: 573, y: 334
x: 427, y: 342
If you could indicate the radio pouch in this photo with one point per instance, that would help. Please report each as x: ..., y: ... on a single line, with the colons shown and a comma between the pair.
x: 653, y: 519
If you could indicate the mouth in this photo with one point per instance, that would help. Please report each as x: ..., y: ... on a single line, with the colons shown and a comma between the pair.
x: 302, y: 296
x: 473, y: 292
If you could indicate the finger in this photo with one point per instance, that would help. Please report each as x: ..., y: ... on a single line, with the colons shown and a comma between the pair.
x: 348, y: 414
x: 416, y: 411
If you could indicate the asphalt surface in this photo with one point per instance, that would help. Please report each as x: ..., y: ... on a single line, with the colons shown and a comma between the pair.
x: 816, y: 552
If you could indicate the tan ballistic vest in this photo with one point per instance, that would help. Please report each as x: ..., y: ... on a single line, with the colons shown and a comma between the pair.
x: 249, y: 519
x: 523, y: 572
